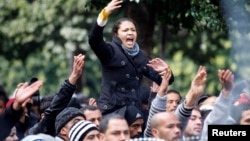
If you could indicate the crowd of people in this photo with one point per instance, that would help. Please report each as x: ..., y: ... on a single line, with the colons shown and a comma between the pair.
x: 126, y: 110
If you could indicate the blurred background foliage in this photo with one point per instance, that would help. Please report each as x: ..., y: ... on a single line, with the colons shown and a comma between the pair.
x: 38, y: 38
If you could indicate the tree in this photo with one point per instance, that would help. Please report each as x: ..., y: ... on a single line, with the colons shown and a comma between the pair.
x: 38, y: 38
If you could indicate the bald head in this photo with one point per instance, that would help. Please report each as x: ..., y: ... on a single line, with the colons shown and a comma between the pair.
x: 165, y: 125
x: 157, y: 119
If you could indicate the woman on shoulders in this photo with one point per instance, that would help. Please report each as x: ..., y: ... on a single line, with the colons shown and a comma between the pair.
x: 123, y: 63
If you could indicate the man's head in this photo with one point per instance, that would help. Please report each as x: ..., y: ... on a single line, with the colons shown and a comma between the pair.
x: 114, y: 127
x: 135, y: 120
x: 165, y: 125
x: 194, y: 126
x: 93, y: 114
x: 245, y: 117
x: 206, y: 99
x: 173, y: 99
x: 84, y: 131
x: 65, y: 119
x: 205, y: 103
x: 39, y: 137
x: 239, y: 109
x: 45, y: 102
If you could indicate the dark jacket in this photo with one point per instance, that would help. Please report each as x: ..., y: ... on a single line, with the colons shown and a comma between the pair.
x: 59, y: 102
x: 121, y: 74
x: 7, y: 120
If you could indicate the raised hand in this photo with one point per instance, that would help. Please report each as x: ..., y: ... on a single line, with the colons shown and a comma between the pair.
x: 92, y: 102
x: 199, y: 82
x: 18, y: 86
x: 114, y: 4
x: 165, y: 82
x: 77, y: 68
x: 226, y: 78
x: 25, y: 92
x: 197, y: 86
x: 158, y: 65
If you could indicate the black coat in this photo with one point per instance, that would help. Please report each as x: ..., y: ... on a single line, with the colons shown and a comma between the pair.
x: 8, y: 119
x: 59, y: 102
x: 121, y: 74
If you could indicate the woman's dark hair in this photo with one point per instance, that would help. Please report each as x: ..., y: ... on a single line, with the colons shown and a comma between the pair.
x: 117, y: 24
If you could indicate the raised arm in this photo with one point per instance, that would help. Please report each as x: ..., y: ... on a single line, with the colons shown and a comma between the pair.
x: 60, y: 100
x: 106, y: 11
x: 197, y: 88
x: 96, y: 40
x: 77, y: 68
x: 154, y: 88
x: 220, y: 112
x: 165, y: 82
x: 226, y: 78
x: 12, y: 114
x: 159, y: 103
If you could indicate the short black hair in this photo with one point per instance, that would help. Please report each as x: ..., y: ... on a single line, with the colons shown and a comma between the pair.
x: 45, y: 102
x: 105, y: 121
x: 89, y: 107
x: 174, y: 91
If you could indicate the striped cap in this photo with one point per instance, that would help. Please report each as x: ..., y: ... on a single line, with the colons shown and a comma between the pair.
x: 80, y: 129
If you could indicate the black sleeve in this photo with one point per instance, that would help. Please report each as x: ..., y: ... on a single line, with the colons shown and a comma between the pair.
x: 7, y: 120
x: 59, y: 102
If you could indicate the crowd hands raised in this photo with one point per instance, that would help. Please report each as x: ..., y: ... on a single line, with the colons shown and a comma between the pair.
x: 124, y: 111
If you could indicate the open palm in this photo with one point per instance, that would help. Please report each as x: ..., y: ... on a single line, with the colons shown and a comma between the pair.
x: 158, y: 64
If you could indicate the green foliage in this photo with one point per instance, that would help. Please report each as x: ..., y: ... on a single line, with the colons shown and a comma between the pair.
x: 17, y: 71
x: 206, y: 15
x: 28, y: 26
x: 185, y: 53
x: 39, y: 37
x: 96, y: 4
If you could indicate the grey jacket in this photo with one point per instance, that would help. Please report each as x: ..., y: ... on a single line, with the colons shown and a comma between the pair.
x: 219, y: 114
x: 159, y: 105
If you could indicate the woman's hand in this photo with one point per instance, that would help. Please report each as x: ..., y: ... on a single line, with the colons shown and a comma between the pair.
x: 158, y: 65
x: 114, y: 4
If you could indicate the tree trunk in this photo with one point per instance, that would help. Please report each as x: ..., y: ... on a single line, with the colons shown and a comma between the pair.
x: 145, y: 19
